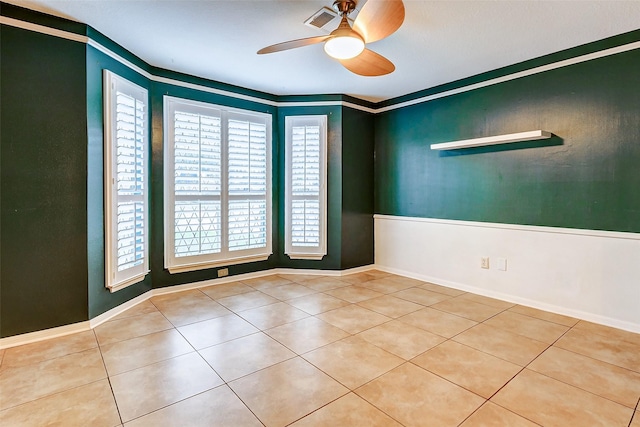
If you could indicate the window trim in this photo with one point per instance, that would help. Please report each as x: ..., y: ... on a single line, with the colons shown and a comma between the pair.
x: 115, y: 280
x: 306, y: 252
x: 200, y: 262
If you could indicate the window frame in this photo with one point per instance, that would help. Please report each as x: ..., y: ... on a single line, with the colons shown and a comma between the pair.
x: 114, y: 279
x: 291, y: 250
x: 225, y: 257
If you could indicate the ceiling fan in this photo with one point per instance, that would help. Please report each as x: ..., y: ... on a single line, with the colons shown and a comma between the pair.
x: 377, y: 19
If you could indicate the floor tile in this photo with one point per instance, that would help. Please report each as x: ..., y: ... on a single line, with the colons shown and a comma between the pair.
x: 48, y: 349
x: 137, y: 352
x: 325, y: 283
x: 403, y: 340
x: 608, y: 349
x: 544, y: 315
x: 87, y: 405
x: 216, y: 407
x: 502, y: 344
x: 307, y: 334
x: 353, y: 294
x: 267, y: 282
x: 530, y: 391
x: 390, y: 306
x: 226, y: 290
x: 378, y: 274
x: 588, y: 327
x: 590, y: 375
x: 145, y: 307
x: 301, y: 278
x: 471, y: 369
x: 23, y: 384
x: 186, y: 307
x: 302, y: 388
x: 272, y: 315
x: 289, y: 291
x: 317, y: 303
x: 215, y: 331
x: 247, y: 301
x: 353, y: 361
x: 492, y: 415
x: 442, y: 289
x: 481, y: 299
x: 537, y: 329
x: 353, y: 318
x: 384, y: 285
x: 349, y: 410
x: 243, y: 356
x: 467, y: 309
x: 412, y: 395
x: 608, y: 381
x: 438, y: 322
x: 131, y: 327
x: 357, y: 278
x: 421, y: 296
x: 405, y: 280
x: 152, y: 387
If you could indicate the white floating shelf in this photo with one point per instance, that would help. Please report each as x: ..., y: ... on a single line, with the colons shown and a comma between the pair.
x: 493, y: 140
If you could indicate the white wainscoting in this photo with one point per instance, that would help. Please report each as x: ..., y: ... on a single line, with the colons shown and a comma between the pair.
x: 587, y: 274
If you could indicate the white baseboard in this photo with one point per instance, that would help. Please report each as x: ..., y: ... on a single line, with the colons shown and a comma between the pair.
x: 45, y: 334
x: 577, y: 314
x: 60, y: 331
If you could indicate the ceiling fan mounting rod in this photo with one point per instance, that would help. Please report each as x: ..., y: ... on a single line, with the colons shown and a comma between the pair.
x: 344, y: 7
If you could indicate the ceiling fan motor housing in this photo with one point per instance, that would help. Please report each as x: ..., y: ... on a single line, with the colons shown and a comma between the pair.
x: 344, y: 7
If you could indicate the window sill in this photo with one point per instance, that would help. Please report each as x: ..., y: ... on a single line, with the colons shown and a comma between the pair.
x: 313, y: 257
x: 131, y: 281
x: 183, y: 268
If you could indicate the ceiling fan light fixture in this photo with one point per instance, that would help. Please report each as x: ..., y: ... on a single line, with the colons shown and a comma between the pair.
x: 344, y: 47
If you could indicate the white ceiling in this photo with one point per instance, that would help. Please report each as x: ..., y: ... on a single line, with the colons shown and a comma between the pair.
x: 439, y: 42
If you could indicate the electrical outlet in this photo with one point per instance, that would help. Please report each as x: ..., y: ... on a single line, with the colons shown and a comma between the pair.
x: 223, y: 272
x: 484, y: 262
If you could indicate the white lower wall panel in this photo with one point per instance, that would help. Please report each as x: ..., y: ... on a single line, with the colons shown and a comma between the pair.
x: 592, y: 275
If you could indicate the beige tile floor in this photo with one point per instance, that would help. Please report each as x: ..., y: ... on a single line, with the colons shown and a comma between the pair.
x: 368, y: 349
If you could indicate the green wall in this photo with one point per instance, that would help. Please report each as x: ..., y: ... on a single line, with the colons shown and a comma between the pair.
x: 52, y: 155
x: 51, y: 160
x: 100, y: 299
x: 43, y: 184
x: 587, y: 176
x: 332, y: 260
x: 357, y: 188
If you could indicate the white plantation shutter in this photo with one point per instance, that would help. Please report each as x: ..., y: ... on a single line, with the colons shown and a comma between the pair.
x: 197, y: 183
x: 217, y: 203
x: 247, y: 183
x: 305, y: 197
x: 126, y: 182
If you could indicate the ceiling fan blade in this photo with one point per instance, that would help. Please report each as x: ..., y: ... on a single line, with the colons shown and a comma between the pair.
x: 369, y: 63
x: 379, y: 19
x: 292, y: 44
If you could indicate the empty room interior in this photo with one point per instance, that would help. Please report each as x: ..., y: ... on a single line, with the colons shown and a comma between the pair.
x: 314, y: 213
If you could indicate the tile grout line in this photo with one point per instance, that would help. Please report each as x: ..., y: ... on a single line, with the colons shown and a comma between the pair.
x: 634, y: 413
x: 113, y: 394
